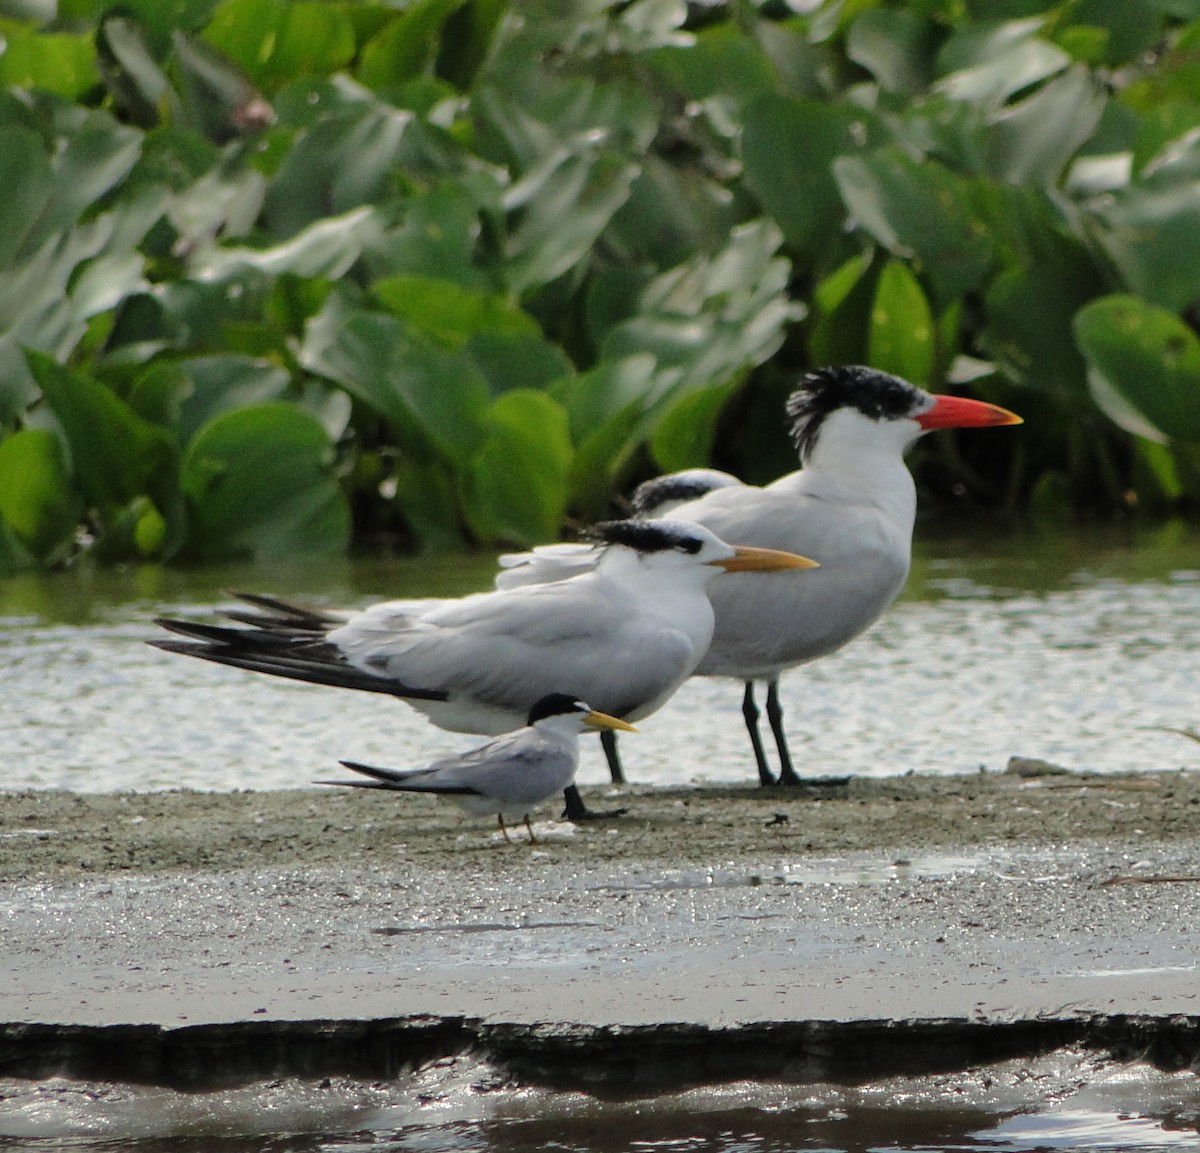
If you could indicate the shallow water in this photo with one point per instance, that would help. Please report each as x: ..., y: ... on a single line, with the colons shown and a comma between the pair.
x: 1068, y: 646
x: 1071, y: 1101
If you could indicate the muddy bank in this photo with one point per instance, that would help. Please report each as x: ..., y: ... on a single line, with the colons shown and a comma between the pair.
x: 45, y: 834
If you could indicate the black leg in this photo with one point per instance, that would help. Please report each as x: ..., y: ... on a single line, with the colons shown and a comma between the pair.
x: 787, y: 774
x: 608, y: 742
x: 576, y: 810
x: 750, y: 715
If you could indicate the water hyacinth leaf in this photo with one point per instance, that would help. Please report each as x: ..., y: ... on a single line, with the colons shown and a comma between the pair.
x: 138, y: 86
x: 115, y: 454
x: 722, y: 61
x: 1146, y: 364
x: 427, y: 497
x: 328, y: 248
x: 606, y: 410
x: 901, y: 335
x: 685, y: 434
x: 219, y: 99
x: 451, y: 313
x: 896, y: 47
x: 346, y: 159
x: 275, y: 41
x: 1153, y: 236
x: 407, y: 45
x: 841, y: 321
x: 1162, y: 126
x: 515, y: 491
x: 259, y: 485
x: 63, y: 63
x: 210, y: 385
x: 1032, y: 141
x: 437, y: 238
x: 401, y: 374
x: 788, y: 147
x: 1030, y: 310
x: 918, y: 210
x: 556, y: 215
x: 516, y: 361
x: 985, y: 62
x: 14, y: 556
x: 38, y: 501
x: 28, y: 181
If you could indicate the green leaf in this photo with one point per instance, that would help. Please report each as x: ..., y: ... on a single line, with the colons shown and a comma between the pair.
x: 259, y: 484
x: 1032, y: 141
x: 327, y: 248
x: 557, y: 213
x: 1153, y: 236
x: 896, y: 47
x: 918, y: 210
x: 1146, y: 367
x: 516, y: 486
x: 986, y: 62
x: 686, y: 433
x: 403, y: 375
x: 515, y: 361
x: 449, y: 312
x: 60, y: 62
x: 841, y: 322
x: 1030, y: 311
x: 407, y: 46
x: 901, y: 339
x: 276, y: 41
x: 606, y: 407
x: 38, y: 501
x: 28, y: 181
x: 723, y: 61
x: 789, y: 147
x: 115, y: 454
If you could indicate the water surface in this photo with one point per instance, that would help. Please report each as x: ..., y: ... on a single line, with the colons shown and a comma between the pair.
x: 1070, y: 1101
x: 1070, y: 646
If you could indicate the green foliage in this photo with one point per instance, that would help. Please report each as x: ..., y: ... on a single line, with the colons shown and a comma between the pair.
x: 468, y: 268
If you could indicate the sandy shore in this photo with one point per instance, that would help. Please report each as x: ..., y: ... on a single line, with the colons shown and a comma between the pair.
x: 56, y: 835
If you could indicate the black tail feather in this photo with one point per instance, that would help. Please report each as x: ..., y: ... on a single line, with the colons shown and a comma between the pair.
x: 284, y: 613
x: 311, y: 662
x: 404, y: 781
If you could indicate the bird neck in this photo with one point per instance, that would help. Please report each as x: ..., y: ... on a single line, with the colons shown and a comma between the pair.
x: 863, y: 465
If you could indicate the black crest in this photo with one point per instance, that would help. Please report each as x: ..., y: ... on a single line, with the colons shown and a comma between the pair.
x: 646, y: 535
x: 650, y: 494
x: 556, y: 705
x: 877, y: 395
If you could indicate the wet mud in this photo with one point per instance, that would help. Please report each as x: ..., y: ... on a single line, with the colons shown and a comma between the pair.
x: 842, y: 932
x: 47, y: 833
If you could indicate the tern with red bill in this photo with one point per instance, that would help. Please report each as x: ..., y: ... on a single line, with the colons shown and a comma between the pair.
x: 851, y: 504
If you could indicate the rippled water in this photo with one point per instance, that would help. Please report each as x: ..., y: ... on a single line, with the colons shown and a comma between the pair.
x: 1069, y: 647
x: 1067, y: 1102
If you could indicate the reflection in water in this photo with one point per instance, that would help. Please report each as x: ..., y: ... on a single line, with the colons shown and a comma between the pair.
x: 1068, y: 647
x: 1067, y: 1102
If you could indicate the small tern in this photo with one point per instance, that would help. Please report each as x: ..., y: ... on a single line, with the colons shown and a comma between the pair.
x: 509, y: 776
x: 624, y: 635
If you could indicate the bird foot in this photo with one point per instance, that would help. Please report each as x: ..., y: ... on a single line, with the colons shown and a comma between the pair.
x: 583, y: 813
x: 793, y: 780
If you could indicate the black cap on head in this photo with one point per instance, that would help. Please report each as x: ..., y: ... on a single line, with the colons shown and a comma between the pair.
x: 556, y: 705
x: 646, y: 535
x: 877, y: 395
